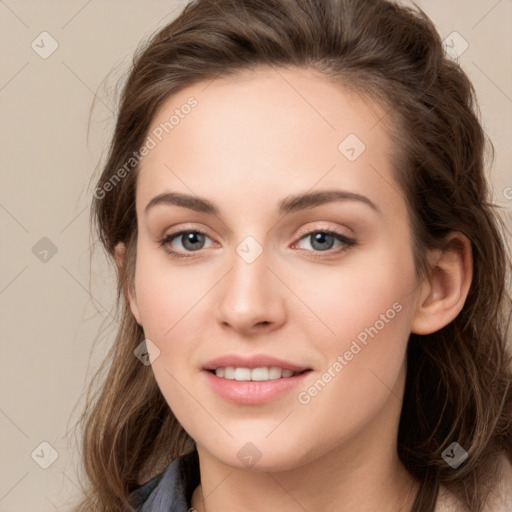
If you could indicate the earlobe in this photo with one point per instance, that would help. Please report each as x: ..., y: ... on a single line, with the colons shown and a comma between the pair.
x: 445, y: 290
x: 129, y: 288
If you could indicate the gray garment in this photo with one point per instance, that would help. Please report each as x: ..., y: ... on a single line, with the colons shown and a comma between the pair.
x: 171, y: 490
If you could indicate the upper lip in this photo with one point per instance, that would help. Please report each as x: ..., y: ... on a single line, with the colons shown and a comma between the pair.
x: 255, y: 361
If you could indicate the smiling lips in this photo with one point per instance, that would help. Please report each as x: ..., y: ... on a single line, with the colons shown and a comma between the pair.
x: 252, y: 380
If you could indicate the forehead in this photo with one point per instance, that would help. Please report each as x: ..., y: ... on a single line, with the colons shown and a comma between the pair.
x: 271, y: 129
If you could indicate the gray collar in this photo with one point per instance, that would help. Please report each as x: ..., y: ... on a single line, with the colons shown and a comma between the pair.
x: 171, y: 490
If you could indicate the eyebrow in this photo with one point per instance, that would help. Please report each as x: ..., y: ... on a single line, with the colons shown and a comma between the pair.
x: 288, y: 205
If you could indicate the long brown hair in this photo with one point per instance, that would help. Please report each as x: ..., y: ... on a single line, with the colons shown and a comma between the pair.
x: 458, y: 379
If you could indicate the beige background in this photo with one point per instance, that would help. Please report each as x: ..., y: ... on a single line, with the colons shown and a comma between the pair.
x: 52, y: 311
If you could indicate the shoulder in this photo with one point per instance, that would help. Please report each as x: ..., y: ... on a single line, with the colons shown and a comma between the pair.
x: 500, y: 499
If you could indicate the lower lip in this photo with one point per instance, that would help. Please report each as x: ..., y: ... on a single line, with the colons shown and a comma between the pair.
x: 250, y: 392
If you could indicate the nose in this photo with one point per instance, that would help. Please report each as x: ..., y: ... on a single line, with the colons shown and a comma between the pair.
x: 251, y: 298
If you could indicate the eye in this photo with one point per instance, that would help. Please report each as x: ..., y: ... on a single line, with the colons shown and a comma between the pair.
x: 324, y: 239
x: 191, y: 241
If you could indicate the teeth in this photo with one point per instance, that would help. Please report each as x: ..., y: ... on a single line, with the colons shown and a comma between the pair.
x: 259, y: 374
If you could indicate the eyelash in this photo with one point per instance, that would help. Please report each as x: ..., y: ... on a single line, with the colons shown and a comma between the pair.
x: 349, y: 242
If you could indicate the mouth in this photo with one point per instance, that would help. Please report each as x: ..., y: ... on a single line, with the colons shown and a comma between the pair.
x: 255, y: 386
x: 261, y: 374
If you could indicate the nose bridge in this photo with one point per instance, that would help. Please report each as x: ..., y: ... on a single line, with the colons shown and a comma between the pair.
x: 249, y: 294
x: 249, y: 275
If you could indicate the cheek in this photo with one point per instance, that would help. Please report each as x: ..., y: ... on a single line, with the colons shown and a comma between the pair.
x: 164, y: 294
x: 366, y: 289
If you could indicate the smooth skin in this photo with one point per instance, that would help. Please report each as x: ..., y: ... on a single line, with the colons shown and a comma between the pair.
x: 251, y: 142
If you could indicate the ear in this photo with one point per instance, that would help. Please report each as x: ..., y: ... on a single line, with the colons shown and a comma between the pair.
x: 120, y: 256
x: 445, y: 290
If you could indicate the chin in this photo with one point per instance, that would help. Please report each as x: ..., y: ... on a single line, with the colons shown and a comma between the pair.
x: 261, y: 457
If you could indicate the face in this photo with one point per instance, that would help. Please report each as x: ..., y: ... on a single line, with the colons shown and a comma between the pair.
x: 324, y: 284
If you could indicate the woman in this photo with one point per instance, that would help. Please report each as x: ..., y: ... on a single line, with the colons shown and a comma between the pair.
x: 312, y: 278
